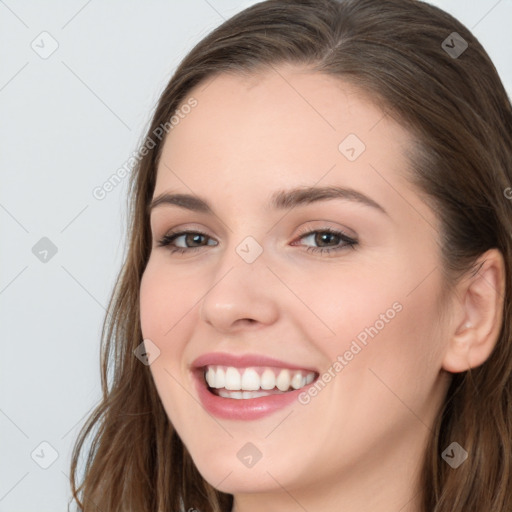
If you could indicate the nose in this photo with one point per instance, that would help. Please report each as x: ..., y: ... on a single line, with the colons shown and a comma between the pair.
x: 242, y: 294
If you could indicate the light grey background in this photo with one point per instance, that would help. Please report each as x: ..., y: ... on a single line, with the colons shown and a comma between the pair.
x: 67, y: 123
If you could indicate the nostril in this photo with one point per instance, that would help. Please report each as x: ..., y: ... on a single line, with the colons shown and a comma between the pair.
x: 246, y: 320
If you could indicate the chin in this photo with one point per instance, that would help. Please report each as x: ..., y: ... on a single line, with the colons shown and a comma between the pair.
x: 228, y: 474
x: 240, y: 481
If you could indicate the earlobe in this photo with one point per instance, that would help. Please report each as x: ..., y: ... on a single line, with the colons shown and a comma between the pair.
x: 481, y: 308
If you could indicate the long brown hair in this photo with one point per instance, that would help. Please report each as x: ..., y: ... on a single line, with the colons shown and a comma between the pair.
x: 461, y: 116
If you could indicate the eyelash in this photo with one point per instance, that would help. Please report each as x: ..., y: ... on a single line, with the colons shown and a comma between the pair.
x: 349, y: 242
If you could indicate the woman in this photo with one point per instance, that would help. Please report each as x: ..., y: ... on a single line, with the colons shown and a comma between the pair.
x: 314, y: 312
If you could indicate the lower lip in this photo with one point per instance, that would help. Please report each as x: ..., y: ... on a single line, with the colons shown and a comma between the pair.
x: 243, y: 409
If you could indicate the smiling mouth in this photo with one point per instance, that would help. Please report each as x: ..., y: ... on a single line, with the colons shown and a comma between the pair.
x: 254, y: 381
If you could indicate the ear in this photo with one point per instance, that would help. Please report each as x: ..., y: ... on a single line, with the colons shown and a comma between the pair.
x: 479, y: 314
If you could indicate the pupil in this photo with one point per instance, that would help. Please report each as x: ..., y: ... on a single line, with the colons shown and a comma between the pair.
x: 328, y: 235
x: 195, y: 238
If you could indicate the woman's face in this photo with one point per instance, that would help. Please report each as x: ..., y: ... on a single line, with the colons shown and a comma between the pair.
x: 366, y: 317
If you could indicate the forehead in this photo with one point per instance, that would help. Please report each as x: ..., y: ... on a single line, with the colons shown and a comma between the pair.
x: 307, y: 109
x: 260, y: 132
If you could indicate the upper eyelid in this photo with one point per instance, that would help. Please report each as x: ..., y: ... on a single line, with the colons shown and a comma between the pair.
x: 196, y: 226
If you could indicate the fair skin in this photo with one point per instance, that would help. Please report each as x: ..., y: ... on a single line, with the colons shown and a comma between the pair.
x: 358, y: 445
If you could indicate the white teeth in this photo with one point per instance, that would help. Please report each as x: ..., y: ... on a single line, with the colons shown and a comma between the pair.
x: 268, y: 379
x: 248, y: 382
x: 238, y: 395
x: 283, y: 380
x: 220, y: 378
x: 210, y: 377
x: 298, y: 381
x: 231, y: 394
x: 233, y: 379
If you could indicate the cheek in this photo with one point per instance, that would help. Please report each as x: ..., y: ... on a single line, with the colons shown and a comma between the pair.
x: 163, y: 302
x: 350, y: 305
x: 385, y: 327
x: 164, y: 305
x: 402, y: 361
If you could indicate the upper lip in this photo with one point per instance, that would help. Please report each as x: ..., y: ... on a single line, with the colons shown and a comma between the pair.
x: 244, y: 361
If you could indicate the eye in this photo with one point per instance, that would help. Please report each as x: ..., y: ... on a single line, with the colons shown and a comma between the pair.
x: 336, y: 240
x: 189, y: 237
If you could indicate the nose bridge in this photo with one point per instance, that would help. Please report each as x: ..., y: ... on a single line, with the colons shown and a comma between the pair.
x: 243, y: 264
x: 241, y: 287
x: 245, y: 241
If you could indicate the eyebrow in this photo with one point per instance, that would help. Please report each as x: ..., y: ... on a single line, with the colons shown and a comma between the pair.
x: 280, y: 200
